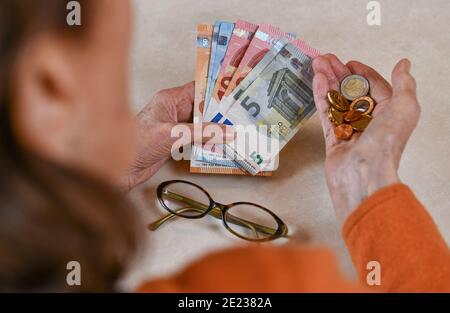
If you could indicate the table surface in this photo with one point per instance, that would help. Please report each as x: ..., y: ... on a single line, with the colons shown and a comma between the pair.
x: 163, y: 55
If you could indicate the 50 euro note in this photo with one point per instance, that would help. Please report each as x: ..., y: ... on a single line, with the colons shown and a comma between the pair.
x: 204, y: 40
x: 203, y: 43
x: 275, y: 106
x: 240, y: 39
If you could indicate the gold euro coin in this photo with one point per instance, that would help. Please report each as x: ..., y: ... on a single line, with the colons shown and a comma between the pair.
x: 354, y: 87
x: 336, y: 117
x: 338, y: 101
x: 361, y: 124
x: 365, y: 105
x: 352, y: 116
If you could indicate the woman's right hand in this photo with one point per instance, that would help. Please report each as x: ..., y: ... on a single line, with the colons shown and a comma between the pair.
x: 357, y: 168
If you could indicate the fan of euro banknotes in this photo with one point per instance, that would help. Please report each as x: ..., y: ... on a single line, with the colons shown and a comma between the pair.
x: 256, y: 77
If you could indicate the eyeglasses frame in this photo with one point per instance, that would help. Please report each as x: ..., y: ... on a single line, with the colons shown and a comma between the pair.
x: 281, y: 231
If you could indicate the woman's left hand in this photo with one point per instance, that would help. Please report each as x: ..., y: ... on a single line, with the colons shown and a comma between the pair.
x: 167, y: 109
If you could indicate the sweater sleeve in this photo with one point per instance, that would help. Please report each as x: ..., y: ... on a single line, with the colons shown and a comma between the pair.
x: 259, y: 269
x: 393, y: 228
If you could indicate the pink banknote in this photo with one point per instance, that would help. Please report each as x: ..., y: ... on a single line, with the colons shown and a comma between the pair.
x: 242, y: 35
x: 264, y: 40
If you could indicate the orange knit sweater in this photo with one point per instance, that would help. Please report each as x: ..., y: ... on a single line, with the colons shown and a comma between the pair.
x: 390, y: 227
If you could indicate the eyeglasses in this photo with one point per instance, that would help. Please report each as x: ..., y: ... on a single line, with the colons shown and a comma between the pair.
x: 245, y: 220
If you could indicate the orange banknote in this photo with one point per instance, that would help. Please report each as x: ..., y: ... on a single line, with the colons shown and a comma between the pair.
x: 204, y: 41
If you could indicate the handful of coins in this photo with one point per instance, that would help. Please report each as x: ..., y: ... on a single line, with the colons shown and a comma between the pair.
x: 350, y: 109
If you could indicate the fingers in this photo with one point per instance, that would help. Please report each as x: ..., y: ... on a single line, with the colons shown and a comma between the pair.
x: 189, y: 91
x: 329, y: 72
x: 180, y: 98
x: 185, y: 93
x: 321, y: 88
x: 403, y: 82
x: 184, y: 101
x: 322, y: 65
x: 405, y: 94
x: 341, y: 71
x: 380, y: 89
x: 401, y: 118
x: 185, y: 106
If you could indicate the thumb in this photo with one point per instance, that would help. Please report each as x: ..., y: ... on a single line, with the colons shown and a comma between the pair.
x: 403, y: 83
x: 181, y: 99
x: 184, y: 93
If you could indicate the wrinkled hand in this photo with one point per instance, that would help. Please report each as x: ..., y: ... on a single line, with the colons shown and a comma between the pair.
x: 167, y: 109
x: 357, y: 168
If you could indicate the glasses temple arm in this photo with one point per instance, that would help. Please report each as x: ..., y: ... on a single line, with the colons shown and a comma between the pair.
x: 156, y: 224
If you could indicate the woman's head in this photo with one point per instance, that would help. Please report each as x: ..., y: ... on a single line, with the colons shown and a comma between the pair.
x: 68, y: 85
x: 66, y: 136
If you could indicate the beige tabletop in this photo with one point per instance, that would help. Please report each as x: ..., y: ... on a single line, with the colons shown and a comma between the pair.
x: 163, y: 56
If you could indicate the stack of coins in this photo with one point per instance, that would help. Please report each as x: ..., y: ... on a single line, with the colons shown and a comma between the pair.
x: 350, y: 109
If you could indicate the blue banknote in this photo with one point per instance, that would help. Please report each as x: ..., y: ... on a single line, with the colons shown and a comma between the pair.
x: 221, y: 39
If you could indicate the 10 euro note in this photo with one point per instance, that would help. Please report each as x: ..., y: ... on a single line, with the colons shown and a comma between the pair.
x: 273, y: 108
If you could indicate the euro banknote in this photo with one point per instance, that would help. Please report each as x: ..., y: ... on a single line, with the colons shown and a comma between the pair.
x: 218, y: 116
x: 241, y: 36
x: 221, y: 39
x: 204, y: 38
x: 240, y: 39
x: 215, y: 154
x: 265, y: 38
x: 256, y: 76
x: 276, y: 104
x: 204, y: 45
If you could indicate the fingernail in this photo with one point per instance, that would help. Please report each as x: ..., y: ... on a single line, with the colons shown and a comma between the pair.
x: 406, y: 65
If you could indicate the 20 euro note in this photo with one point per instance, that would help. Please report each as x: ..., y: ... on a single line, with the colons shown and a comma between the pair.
x: 275, y: 106
x: 221, y: 39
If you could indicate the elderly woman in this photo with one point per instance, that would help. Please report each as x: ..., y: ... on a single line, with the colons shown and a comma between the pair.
x: 68, y: 151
